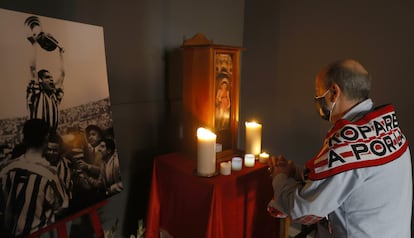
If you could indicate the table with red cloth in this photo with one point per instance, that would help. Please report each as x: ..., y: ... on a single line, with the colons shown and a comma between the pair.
x: 186, y: 205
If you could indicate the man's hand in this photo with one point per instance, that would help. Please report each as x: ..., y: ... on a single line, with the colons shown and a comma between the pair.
x: 279, y: 165
x: 83, y: 165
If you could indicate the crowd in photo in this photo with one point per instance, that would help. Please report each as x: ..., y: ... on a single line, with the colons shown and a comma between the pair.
x: 64, y: 170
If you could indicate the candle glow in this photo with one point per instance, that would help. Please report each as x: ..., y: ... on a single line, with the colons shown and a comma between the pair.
x: 206, y: 152
x: 263, y: 157
x: 253, y: 138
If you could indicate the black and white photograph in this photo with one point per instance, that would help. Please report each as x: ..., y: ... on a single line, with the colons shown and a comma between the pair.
x: 58, y: 152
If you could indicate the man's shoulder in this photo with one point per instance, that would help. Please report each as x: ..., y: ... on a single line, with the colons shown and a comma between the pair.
x: 373, y: 140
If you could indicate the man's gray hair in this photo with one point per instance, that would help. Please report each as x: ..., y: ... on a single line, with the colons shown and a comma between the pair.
x: 351, y: 77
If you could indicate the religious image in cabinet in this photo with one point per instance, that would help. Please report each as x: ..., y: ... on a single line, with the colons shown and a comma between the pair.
x: 226, y: 98
x: 224, y: 81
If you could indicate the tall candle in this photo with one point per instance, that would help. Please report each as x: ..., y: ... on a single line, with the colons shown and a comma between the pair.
x: 206, y: 152
x: 253, y: 138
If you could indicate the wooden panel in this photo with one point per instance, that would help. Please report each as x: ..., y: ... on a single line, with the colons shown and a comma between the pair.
x: 198, y: 89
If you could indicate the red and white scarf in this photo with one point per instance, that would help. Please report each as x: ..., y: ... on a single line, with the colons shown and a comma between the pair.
x: 373, y: 140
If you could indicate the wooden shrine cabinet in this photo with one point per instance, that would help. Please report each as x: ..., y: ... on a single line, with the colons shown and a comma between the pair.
x: 211, y: 80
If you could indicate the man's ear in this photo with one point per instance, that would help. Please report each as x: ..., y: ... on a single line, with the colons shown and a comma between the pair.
x: 335, y: 92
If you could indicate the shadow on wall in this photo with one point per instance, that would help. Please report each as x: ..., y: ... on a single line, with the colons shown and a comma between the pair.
x: 140, y: 171
x: 171, y: 133
x: 168, y: 141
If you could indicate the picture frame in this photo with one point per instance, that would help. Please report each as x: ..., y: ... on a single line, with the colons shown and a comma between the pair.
x: 57, y: 98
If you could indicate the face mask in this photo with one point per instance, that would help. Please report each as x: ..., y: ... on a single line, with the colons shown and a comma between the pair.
x: 322, y: 108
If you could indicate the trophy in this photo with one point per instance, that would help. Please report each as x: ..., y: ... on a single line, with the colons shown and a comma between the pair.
x: 36, y: 34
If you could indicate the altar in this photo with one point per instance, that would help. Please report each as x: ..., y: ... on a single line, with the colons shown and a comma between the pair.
x: 183, y: 204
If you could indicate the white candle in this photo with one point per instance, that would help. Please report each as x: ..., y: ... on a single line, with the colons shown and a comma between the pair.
x: 253, y: 138
x: 206, y: 152
x: 263, y: 157
x: 236, y: 163
x: 249, y: 160
x: 219, y: 147
x: 225, y: 168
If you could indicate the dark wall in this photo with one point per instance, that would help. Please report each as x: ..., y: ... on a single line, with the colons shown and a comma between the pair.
x: 142, y: 40
x: 297, y: 39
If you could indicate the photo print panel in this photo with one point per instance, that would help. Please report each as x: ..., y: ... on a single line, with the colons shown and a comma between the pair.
x: 58, y: 152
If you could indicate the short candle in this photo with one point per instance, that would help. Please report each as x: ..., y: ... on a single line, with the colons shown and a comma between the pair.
x: 249, y: 160
x: 236, y: 163
x: 225, y: 168
x: 263, y: 157
x: 219, y: 147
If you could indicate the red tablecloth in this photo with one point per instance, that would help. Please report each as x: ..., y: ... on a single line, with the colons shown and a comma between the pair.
x: 186, y: 205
